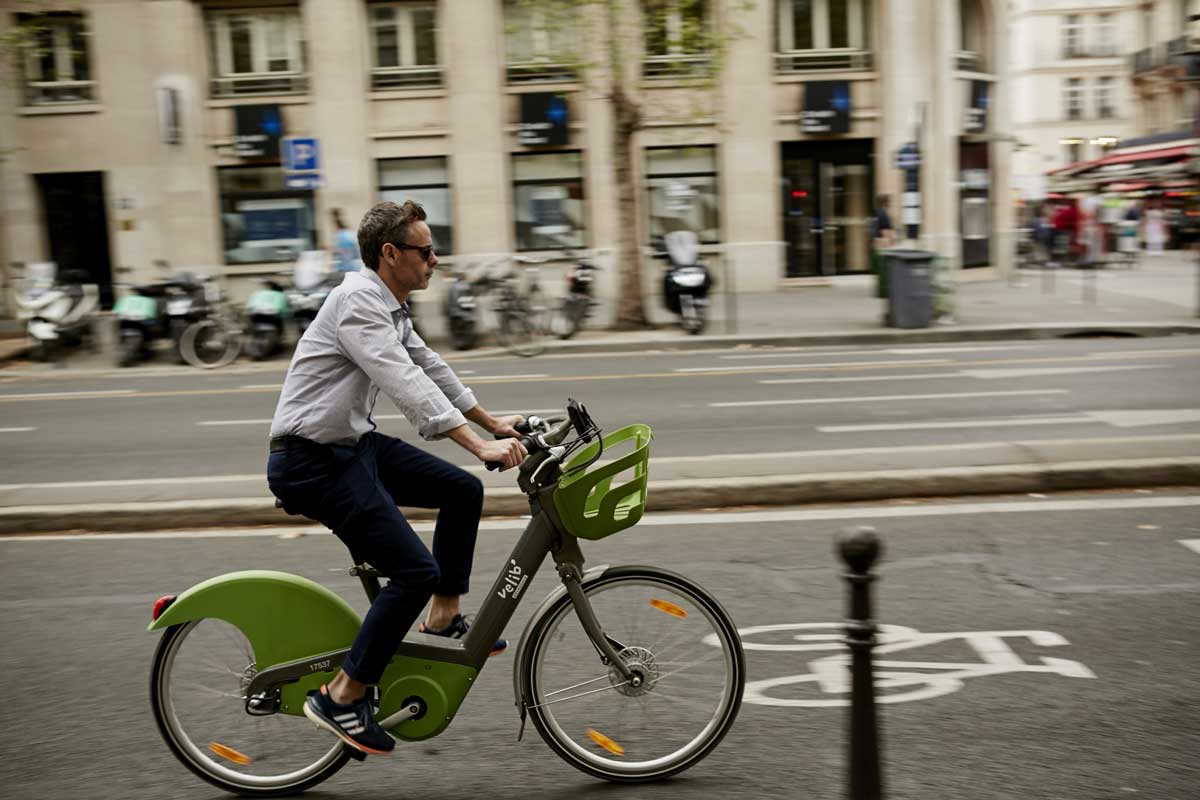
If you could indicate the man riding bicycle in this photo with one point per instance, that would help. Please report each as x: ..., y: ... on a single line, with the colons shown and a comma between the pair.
x: 328, y: 463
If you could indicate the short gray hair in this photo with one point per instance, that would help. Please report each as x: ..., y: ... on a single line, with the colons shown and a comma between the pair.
x: 384, y: 223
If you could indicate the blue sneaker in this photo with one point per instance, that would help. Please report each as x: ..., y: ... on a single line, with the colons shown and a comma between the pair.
x: 352, y: 723
x: 458, y: 628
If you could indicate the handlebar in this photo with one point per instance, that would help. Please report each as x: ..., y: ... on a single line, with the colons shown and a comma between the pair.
x: 535, y: 442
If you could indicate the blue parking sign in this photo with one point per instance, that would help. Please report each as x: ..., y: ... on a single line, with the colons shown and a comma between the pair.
x: 300, y: 154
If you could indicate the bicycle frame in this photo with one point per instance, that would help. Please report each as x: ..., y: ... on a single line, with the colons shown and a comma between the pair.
x: 429, y: 677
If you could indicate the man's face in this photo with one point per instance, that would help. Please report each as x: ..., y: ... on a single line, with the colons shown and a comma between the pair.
x: 408, y: 265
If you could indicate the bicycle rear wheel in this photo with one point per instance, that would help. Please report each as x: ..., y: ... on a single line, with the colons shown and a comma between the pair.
x: 520, y: 335
x: 197, y: 691
x: 209, y: 344
x: 691, y: 690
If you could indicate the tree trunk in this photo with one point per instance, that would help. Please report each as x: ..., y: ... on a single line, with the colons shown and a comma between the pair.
x: 631, y: 310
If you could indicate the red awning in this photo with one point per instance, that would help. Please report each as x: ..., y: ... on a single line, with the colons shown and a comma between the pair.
x: 1144, y: 155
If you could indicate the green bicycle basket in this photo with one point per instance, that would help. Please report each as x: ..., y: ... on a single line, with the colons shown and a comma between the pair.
x: 588, y: 504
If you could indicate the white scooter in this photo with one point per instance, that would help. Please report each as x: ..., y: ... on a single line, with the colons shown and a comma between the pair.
x: 57, y: 313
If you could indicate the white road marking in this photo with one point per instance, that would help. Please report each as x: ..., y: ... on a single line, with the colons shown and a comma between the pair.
x: 1191, y: 544
x: 918, y: 351
x: 1040, y: 372
x: 48, y: 395
x: 16, y: 430
x: 795, y: 353
x: 983, y: 374
x: 731, y: 519
x: 1120, y: 418
x: 377, y: 417
x: 766, y: 367
x: 261, y: 386
x: 208, y: 479
x: 886, y: 398
x: 919, y: 376
x: 904, y: 351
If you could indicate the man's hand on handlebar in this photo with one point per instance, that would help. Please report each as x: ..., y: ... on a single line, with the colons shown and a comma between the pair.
x: 505, y: 427
x: 506, y: 452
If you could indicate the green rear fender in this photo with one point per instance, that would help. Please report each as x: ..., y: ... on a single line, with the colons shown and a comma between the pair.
x: 284, y: 616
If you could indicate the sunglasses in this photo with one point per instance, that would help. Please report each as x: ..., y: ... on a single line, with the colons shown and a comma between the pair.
x: 426, y: 250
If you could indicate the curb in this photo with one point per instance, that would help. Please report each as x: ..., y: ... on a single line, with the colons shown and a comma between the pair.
x: 669, y: 495
x: 610, y: 342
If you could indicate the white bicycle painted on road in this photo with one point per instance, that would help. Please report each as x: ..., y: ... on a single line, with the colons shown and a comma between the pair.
x: 896, y: 681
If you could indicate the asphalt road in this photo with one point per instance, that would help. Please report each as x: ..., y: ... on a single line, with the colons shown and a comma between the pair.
x: 150, y: 425
x: 1107, y: 583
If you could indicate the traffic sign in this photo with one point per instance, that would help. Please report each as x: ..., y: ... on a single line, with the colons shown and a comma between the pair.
x: 300, y: 154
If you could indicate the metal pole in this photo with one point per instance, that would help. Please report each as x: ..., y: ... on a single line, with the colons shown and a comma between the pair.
x: 730, y: 298
x: 859, y: 548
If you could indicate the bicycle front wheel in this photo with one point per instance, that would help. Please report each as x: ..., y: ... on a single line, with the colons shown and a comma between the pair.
x: 198, y: 693
x: 675, y: 636
x: 209, y: 344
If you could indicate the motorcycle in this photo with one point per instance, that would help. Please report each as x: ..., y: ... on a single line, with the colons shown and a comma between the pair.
x: 269, y: 308
x: 460, y: 312
x: 55, y: 312
x: 577, y: 305
x: 686, y: 281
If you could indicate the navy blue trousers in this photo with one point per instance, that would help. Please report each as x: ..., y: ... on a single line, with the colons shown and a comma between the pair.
x: 354, y: 492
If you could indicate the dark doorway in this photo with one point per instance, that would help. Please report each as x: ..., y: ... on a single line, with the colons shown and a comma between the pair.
x: 827, y: 206
x: 77, y: 226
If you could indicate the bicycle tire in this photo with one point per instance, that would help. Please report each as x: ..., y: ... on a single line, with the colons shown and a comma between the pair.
x: 288, y: 734
x: 519, y: 335
x: 209, y: 344
x: 594, y: 750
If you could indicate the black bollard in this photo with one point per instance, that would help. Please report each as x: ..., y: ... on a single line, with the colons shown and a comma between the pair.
x: 859, y: 548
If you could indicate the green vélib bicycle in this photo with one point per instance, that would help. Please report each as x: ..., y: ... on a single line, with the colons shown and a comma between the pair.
x: 640, y: 682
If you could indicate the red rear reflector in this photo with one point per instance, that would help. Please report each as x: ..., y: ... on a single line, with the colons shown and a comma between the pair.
x: 161, y: 604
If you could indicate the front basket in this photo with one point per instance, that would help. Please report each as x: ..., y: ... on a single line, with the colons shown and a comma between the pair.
x: 588, y: 504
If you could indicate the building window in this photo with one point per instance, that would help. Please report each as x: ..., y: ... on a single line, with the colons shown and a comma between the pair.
x: 1073, y: 98
x: 548, y: 200
x: 540, y: 40
x: 972, y: 33
x: 823, y: 34
x: 263, y: 220
x: 260, y: 52
x: 1105, y: 101
x: 1072, y: 36
x: 55, y: 63
x: 423, y: 180
x: 1074, y: 148
x: 682, y: 189
x: 678, y: 38
x: 404, y: 39
x: 1106, y: 35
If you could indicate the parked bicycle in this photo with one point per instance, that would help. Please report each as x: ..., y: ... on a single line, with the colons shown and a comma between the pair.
x: 216, y: 340
x: 630, y: 674
x: 522, y: 313
x: 576, y: 306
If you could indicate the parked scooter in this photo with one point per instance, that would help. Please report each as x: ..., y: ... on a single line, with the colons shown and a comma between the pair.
x: 189, y: 298
x: 686, y: 282
x: 141, y: 316
x: 574, y: 309
x: 269, y: 308
x: 57, y: 312
x: 460, y: 309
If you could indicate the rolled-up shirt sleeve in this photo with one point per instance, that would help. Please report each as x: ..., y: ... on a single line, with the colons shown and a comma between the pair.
x: 367, y: 336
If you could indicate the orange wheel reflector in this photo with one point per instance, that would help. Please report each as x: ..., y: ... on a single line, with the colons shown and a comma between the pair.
x: 605, y: 742
x: 229, y: 753
x: 669, y: 608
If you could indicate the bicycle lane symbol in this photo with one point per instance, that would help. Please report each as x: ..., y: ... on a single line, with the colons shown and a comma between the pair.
x: 896, y: 681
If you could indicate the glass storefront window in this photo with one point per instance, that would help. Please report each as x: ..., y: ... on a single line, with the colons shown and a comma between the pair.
x: 422, y: 180
x: 548, y: 200
x: 261, y: 219
x: 682, y: 186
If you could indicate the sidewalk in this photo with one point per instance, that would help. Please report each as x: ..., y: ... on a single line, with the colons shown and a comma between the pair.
x: 1160, y: 297
x: 1156, y: 300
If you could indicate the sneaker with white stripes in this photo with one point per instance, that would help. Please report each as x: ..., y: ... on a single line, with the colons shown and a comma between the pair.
x: 352, y: 723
